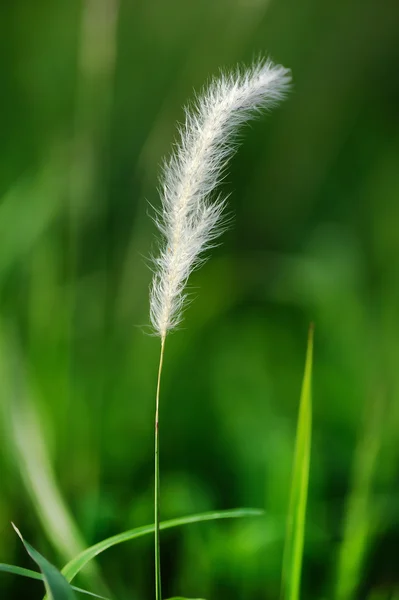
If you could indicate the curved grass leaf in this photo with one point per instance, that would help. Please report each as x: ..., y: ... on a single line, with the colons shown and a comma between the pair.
x: 14, y: 570
x: 294, y: 542
x: 56, y: 585
x: 80, y: 561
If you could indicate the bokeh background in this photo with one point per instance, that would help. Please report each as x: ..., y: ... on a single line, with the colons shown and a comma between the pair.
x: 90, y: 95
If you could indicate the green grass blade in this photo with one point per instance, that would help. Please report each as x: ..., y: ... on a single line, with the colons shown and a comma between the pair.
x: 26, y: 436
x: 80, y: 561
x: 294, y: 542
x: 56, y: 585
x: 14, y: 570
x: 362, y: 513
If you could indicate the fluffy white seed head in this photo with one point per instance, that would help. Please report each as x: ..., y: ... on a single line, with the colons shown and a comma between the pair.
x: 190, y: 218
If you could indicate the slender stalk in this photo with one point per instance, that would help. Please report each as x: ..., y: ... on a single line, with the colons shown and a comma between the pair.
x: 189, y: 219
x: 158, y: 595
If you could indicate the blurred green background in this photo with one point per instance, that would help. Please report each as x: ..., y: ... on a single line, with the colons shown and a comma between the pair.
x: 91, y: 93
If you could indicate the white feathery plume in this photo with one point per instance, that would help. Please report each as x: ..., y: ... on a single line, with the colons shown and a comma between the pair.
x: 189, y: 219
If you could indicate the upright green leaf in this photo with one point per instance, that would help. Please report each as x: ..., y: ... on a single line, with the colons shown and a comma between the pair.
x: 294, y: 542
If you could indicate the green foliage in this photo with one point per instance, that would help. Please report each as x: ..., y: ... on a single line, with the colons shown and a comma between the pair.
x: 361, y: 515
x: 91, y: 92
x: 295, y: 537
x: 55, y: 583
x: 77, y: 564
x: 14, y: 570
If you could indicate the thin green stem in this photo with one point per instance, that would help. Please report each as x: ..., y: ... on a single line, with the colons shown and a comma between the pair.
x: 158, y: 594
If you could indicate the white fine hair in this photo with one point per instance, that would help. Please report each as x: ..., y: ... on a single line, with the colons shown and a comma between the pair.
x: 190, y: 218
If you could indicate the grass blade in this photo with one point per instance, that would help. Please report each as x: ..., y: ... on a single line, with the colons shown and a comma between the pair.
x: 27, y: 439
x: 294, y: 542
x: 55, y: 583
x: 362, y: 513
x: 14, y: 570
x: 80, y: 561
